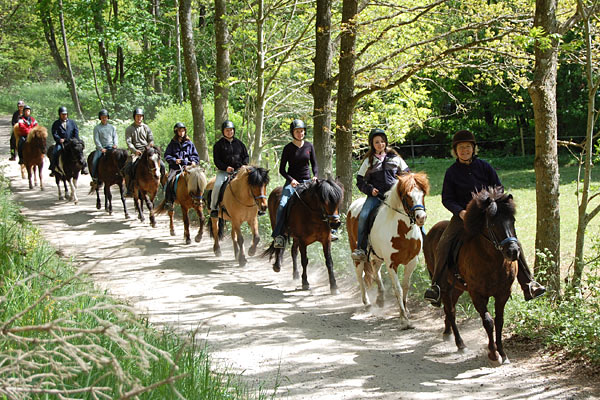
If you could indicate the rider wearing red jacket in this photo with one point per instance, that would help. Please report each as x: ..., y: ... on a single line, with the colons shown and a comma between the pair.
x: 26, y: 124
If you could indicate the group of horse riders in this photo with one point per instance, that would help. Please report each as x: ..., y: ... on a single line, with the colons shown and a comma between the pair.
x: 377, y: 174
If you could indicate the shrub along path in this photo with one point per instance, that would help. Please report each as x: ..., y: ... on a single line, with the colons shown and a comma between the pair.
x: 317, y: 346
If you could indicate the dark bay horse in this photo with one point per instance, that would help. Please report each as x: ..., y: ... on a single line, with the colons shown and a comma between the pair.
x: 108, y: 169
x: 395, y: 238
x: 146, y: 181
x: 71, y: 161
x: 243, y: 198
x: 34, y: 150
x: 487, y: 262
x: 189, y: 195
x: 312, y: 212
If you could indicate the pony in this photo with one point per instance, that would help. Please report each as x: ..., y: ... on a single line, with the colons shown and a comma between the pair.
x: 313, y: 211
x: 395, y: 238
x: 243, y: 198
x: 71, y: 161
x: 109, y: 167
x: 190, y: 185
x: 146, y: 180
x: 34, y: 150
x: 487, y: 263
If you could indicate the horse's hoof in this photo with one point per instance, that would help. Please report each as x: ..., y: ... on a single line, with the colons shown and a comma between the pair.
x: 276, y: 268
x: 76, y: 202
x: 127, y: 216
x: 380, y: 302
x: 305, y: 286
x: 30, y: 186
x: 42, y: 188
x: 296, y: 275
x: 198, y: 238
x: 334, y: 291
x: 497, y: 362
x: 60, y: 198
x: 461, y: 345
x: 110, y: 213
x: 505, y: 360
x: 368, y: 307
x: 172, y: 232
x: 243, y: 262
x: 252, y: 251
x: 188, y: 241
x: 217, y: 252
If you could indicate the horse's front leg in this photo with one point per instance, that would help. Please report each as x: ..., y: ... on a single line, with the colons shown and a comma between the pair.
x: 376, y: 265
x: 98, y: 202
x: 295, y: 273
x: 73, y: 184
x: 481, y: 303
x: 408, y: 271
x: 121, y: 192
x: 201, y: 228
x: 304, y: 261
x: 393, y: 274
x: 60, y: 195
x: 329, y: 263
x: 449, y: 299
x: 239, y: 240
x: 107, y: 199
x: 359, y: 268
x: 150, y: 206
x: 40, y: 173
x: 138, y: 205
x: 29, y: 177
x: 215, y: 234
x: 186, y: 224
x: 499, y: 324
x: 255, y: 237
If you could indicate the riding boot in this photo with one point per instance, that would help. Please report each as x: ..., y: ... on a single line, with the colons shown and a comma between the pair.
x: 531, y: 288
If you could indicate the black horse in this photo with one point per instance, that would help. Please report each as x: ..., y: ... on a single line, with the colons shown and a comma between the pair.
x: 71, y: 161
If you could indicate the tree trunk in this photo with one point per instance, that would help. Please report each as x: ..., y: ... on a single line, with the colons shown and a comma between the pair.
x: 89, y: 51
x: 99, y: 25
x: 345, y: 100
x: 223, y: 64
x: 71, y: 82
x: 178, y: 57
x: 50, y: 36
x: 260, y: 85
x: 321, y: 89
x: 119, y: 68
x: 543, y: 95
x: 191, y: 69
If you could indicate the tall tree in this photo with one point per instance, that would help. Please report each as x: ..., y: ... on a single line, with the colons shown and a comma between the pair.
x: 71, y: 83
x: 191, y: 70
x: 223, y: 67
x: 321, y: 88
x: 178, y: 57
x: 99, y: 24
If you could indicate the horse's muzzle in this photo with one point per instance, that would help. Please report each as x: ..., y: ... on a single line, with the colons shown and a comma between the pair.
x: 420, y: 218
x: 335, y: 223
x: 510, y: 251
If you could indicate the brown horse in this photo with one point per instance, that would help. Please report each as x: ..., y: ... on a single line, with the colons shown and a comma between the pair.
x: 108, y: 169
x: 34, y: 150
x: 313, y: 211
x: 486, y: 262
x: 243, y: 198
x: 146, y: 181
x: 71, y: 161
x: 190, y: 185
x: 394, y: 239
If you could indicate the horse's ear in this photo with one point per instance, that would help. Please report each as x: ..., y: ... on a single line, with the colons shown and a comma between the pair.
x: 510, y: 197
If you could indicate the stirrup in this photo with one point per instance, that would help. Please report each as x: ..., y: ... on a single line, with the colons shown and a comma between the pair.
x: 534, y: 290
x: 433, y: 295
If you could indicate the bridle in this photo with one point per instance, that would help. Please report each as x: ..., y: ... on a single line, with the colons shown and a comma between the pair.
x: 494, y: 240
x: 410, y: 212
x: 256, y: 198
x: 325, y: 217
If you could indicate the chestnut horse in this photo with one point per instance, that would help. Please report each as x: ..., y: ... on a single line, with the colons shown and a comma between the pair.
x: 487, y: 262
x: 71, y: 161
x: 109, y: 167
x: 190, y: 184
x: 313, y: 211
x: 146, y: 181
x: 394, y: 239
x: 34, y: 150
x: 244, y: 197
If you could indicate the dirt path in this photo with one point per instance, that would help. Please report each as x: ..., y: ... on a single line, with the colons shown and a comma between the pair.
x: 256, y: 321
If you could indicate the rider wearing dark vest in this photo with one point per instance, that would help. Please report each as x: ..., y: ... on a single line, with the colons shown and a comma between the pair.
x: 298, y: 154
x: 180, y: 152
x: 229, y: 154
x: 15, y: 120
x: 376, y: 175
x: 468, y: 174
x: 63, y: 130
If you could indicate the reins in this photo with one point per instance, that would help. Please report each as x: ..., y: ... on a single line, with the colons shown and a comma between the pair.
x: 256, y: 198
x: 325, y: 217
x: 411, y: 213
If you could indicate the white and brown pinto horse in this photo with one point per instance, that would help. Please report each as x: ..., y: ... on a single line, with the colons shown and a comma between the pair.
x: 394, y: 239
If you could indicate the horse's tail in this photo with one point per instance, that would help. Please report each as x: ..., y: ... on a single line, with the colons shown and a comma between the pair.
x: 160, y: 209
x: 220, y: 229
x: 271, y: 251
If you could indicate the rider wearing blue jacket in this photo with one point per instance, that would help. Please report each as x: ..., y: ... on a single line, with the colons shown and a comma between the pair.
x: 63, y: 130
x: 180, y: 152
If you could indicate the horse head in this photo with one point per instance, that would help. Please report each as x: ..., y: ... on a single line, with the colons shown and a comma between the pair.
x: 411, y: 190
x: 491, y: 213
x: 328, y: 195
x: 258, y: 179
x: 151, y: 157
x: 74, y: 152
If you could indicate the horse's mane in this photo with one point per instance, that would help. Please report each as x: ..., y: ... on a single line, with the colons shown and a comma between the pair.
x: 405, y: 183
x: 121, y: 156
x: 37, y: 132
x: 257, y: 176
x: 196, y: 180
x: 491, y: 201
x: 328, y: 191
x: 150, y: 150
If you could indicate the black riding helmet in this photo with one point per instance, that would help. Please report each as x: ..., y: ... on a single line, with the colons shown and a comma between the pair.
x: 103, y: 112
x: 26, y: 108
x: 62, y: 110
x: 177, y: 126
x: 461, y: 137
x: 377, y: 132
x: 137, y: 111
x: 227, y: 124
x: 297, y: 123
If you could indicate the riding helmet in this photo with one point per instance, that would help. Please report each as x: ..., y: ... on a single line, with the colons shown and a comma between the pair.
x: 138, y: 111
x: 227, y: 124
x: 20, y: 103
x: 26, y: 108
x: 377, y: 132
x: 62, y: 110
x: 103, y: 112
x: 463, y: 136
x: 177, y: 126
x: 297, y: 123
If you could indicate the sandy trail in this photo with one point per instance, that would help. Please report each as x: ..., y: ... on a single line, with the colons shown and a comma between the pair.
x: 259, y: 323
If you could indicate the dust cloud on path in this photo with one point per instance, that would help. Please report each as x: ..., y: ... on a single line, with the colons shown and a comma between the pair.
x: 259, y: 323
